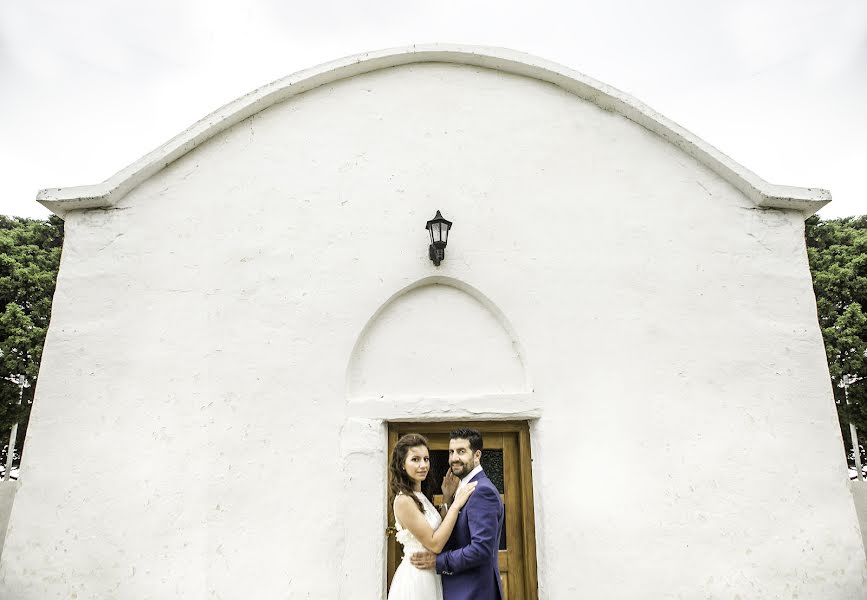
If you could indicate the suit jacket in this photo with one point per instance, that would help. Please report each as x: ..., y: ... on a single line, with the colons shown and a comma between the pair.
x: 469, y: 562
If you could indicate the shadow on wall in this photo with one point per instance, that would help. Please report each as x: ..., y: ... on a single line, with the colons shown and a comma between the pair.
x: 7, y: 496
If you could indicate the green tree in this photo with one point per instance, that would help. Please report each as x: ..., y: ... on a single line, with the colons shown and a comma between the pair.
x: 29, y: 259
x: 837, y: 250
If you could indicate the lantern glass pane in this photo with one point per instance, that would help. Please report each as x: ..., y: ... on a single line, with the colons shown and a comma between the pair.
x: 446, y: 232
x: 430, y: 231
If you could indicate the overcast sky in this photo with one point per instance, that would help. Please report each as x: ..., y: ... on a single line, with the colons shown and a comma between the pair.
x: 89, y: 86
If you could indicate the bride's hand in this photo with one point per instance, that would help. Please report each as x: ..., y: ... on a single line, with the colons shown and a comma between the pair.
x: 464, y: 494
x: 450, y: 486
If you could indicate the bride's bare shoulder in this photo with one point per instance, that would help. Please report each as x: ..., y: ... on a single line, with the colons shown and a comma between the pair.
x: 402, y: 500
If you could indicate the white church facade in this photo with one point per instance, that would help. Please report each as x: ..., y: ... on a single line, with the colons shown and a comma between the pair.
x: 248, y: 316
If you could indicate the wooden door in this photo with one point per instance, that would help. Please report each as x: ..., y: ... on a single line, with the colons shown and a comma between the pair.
x: 506, y: 460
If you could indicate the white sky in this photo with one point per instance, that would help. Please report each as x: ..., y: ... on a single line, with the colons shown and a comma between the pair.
x: 89, y: 86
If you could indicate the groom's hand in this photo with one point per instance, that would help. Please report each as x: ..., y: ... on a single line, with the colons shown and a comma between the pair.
x: 424, y: 560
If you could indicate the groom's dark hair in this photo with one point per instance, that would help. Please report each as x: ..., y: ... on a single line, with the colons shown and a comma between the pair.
x: 472, y: 435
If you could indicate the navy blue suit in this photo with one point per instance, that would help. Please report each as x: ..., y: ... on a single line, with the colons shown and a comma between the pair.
x: 469, y: 563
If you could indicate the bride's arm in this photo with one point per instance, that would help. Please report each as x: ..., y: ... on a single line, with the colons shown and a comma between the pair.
x: 407, y: 512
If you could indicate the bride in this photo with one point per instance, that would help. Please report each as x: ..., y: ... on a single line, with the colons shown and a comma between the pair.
x: 419, y: 525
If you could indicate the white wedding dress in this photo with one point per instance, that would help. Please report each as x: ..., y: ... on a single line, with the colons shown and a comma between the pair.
x: 410, y: 583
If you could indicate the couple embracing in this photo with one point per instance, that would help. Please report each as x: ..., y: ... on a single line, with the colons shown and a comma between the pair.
x: 450, y: 553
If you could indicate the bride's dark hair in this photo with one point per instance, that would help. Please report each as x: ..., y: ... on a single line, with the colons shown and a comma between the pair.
x: 400, y: 479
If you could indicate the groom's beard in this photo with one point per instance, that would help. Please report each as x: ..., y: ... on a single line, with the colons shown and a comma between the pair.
x: 461, y: 469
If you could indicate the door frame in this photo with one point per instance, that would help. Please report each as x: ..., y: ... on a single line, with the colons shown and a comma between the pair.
x: 525, y: 474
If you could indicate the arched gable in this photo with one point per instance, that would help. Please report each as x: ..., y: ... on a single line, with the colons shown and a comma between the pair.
x: 760, y: 192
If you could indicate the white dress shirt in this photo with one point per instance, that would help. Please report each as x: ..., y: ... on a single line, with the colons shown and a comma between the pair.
x: 468, y: 477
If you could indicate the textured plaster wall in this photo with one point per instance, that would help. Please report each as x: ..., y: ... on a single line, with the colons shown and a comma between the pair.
x: 229, y: 340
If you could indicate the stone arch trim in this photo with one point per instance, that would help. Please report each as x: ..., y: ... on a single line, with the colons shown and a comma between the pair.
x: 462, y: 286
x: 109, y: 192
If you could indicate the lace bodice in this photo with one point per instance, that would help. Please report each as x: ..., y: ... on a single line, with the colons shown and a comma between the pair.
x: 406, y: 538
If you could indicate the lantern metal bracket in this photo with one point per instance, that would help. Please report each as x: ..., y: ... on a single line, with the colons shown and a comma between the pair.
x: 436, y: 254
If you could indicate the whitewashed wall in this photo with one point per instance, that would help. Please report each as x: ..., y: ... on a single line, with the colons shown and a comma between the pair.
x: 859, y: 495
x: 229, y: 339
x: 7, y: 498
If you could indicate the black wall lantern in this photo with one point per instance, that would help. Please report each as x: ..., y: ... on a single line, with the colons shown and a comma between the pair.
x: 439, y: 237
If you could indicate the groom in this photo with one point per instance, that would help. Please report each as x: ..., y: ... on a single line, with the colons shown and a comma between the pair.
x: 469, y: 562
